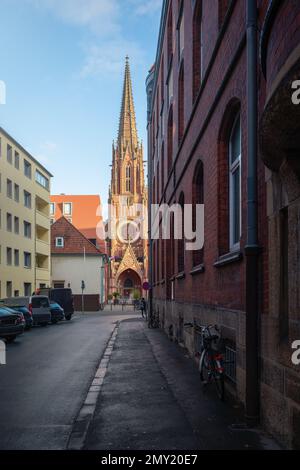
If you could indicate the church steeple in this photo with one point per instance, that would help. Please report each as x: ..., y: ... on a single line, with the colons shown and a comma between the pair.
x: 127, y: 127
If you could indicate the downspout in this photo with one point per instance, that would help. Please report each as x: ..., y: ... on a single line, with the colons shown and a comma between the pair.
x: 150, y: 241
x: 252, y: 248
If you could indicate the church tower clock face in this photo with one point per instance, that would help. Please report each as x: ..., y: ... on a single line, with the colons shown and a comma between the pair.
x: 128, y: 252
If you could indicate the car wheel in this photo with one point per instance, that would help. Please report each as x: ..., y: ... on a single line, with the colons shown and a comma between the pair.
x: 54, y: 322
x: 68, y: 317
x: 10, y: 339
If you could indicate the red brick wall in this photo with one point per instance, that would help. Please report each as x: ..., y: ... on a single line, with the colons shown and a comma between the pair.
x: 202, y: 139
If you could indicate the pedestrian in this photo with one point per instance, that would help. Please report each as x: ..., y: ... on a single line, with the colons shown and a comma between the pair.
x: 143, y: 307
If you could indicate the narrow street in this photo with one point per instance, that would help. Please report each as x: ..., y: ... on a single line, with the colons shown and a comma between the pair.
x: 150, y: 399
x: 46, y: 378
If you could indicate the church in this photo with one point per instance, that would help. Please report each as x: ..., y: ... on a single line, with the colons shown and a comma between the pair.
x: 127, y: 243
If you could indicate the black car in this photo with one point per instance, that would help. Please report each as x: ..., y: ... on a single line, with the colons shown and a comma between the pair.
x: 57, y: 313
x: 27, y: 315
x: 64, y: 297
x: 12, y: 324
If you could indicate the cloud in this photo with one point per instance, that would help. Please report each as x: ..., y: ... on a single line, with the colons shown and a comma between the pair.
x: 149, y: 7
x: 104, y: 18
x: 99, y: 16
x: 108, y: 59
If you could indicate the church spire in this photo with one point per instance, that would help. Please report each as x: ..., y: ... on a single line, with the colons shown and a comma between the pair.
x: 127, y: 127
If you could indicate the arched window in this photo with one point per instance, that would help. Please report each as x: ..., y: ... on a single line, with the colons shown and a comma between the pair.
x: 197, y: 48
x: 181, y: 104
x: 128, y: 178
x: 223, y: 7
x: 181, y: 241
x: 162, y: 168
x: 235, y: 152
x: 229, y: 179
x: 138, y: 179
x: 170, y: 140
x: 170, y: 34
x: 198, y: 198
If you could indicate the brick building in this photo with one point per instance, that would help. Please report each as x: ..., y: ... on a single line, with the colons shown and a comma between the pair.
x: 84, y: 212
x: 206, y: 104
x: 74, y: 259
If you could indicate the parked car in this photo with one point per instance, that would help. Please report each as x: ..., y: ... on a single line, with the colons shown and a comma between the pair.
x: 38, y: 305
x: 12, y: 324
x: 26, y: 313
x: 64, y: 297
x: 57, y: 313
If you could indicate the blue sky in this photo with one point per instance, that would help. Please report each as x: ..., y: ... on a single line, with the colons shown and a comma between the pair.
x: 63, y: 64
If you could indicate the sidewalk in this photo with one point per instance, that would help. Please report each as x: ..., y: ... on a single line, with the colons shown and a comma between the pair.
x: 151, y: 399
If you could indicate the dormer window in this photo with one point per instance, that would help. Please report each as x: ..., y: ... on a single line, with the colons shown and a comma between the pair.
x: 59, y: 242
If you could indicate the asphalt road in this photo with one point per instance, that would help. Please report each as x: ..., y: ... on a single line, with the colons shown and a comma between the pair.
x: 46, y: 378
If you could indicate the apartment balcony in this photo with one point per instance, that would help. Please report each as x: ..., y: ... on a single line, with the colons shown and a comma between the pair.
x: 42, y: 220
x: 42, y: 248
x: 42, y: 276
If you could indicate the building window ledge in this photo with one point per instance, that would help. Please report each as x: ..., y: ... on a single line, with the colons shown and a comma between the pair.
x: 229, y: 258
x: 180, y: 276
x: 198, y: 269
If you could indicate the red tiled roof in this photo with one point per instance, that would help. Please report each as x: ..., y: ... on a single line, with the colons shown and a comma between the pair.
x: 74, y: 241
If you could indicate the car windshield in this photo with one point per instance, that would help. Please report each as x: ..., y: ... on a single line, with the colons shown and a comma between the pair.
x: 38, y: 302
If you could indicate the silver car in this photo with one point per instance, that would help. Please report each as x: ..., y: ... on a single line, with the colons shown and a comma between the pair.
x: 38, y: 305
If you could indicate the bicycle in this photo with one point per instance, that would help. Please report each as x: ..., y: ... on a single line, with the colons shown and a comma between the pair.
x: 211, y: 363
x: 153, y: 321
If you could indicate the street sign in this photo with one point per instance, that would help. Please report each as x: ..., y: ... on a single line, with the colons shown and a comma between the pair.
x: 146, y: 286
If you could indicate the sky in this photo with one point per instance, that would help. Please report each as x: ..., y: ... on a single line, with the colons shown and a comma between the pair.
x: 63, y: 63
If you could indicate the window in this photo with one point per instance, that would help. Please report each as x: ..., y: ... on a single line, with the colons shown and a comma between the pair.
x: 8, y: 289
x: 128, y: 178
x: 170, y: 140
x: 197, y: 48
x: 52, y: 208
x: 181, y: 104
x: 17, y: 225
x: 27, y: 229
x: 41, y: 179
x: 67, y: 208
x: 170, y: 35
x: 9, y: 154
x: 8, y: 222
x: 17, y: 160
x: 181, y: 241
x: 27, y: 199
x: 17, y: 257
x: 16, y: 293
x: 59, y: 242
x: 27, y: 260
x: 27, y: 169
x: 198, y: 198
x: 8, y: 256
x: 52, y: 221
x: 17, y: 193
x: 9, y: 188
x: 162, y: 168
x: 27, y: 289
x: 223, y: 7
x: 235, y: 184
x: 170, y: 87
x: 181, y: 36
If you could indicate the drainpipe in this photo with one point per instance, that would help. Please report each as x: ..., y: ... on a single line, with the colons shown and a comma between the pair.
x: 150, y: 241
x: 252, y: 249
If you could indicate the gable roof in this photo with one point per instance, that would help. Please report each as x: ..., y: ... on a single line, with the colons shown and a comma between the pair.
x: 74, y: 241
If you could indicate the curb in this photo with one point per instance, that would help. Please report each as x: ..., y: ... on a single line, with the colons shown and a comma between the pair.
x: 86, y: 413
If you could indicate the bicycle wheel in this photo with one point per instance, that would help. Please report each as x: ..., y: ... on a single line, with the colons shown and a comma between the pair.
x: 219, y: 383
x: 205, y: 367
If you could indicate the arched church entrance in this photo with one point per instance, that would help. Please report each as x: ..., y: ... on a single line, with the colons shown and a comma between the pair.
x: 128, y: 283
